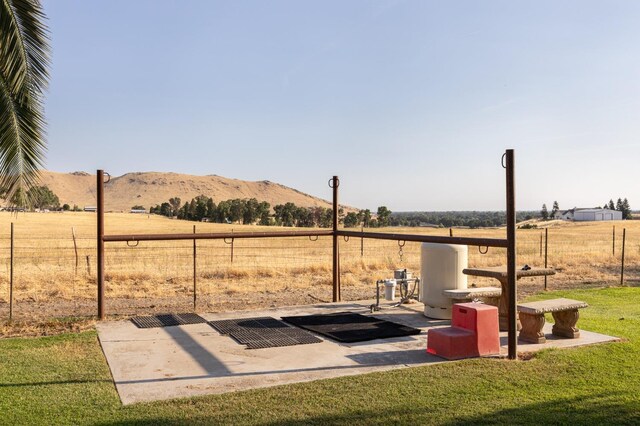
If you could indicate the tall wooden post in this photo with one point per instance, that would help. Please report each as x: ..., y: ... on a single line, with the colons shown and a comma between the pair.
x: 100, y: 242
x: 335, y: 182
x: 511, y: 255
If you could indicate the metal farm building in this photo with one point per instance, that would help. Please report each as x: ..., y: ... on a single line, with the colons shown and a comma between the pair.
x: 596, y: 214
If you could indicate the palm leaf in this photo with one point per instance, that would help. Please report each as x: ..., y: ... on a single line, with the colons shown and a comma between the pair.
x: 24, y: 60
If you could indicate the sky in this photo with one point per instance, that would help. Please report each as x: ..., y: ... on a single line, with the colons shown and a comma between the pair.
x: 410, y: 103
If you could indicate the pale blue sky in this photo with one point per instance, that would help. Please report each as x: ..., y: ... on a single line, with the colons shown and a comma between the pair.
x: 411, y: 103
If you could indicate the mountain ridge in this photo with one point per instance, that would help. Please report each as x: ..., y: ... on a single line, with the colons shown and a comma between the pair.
x: 151, y: 188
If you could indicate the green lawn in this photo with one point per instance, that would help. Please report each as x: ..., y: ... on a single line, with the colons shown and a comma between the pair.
x: 65, y: 380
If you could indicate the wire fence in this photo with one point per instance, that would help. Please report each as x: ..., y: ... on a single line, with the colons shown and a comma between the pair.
x: 55, y: 274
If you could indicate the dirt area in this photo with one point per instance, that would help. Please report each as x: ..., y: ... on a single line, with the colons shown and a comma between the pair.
x: 33, y: 318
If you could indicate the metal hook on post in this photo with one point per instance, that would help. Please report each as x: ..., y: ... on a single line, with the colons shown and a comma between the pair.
x: 108, y: 177
x: 401, y: 244
x: 504, y: 166
x: 230, y: 242
x: 312, y: 239
x: 346, y: 238
x: 485, y: 251
x: 331, y: 183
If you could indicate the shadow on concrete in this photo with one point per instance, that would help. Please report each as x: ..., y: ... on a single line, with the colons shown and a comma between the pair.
x: 407, y: 357
x: 209, y: 363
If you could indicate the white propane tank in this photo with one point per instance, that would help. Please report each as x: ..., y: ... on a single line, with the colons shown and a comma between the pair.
x: 441, y: 268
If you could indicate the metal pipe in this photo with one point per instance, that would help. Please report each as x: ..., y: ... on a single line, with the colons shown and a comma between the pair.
x: 214, y: 236
x: 100, y: 242
x: 614, y: 241
x: 484, y: 242
x: 511, y: 255
x: 546, y: 251
x: 335, y: 182
x: 11, y: 278
x: 624, y: 234
x: 195, y: 294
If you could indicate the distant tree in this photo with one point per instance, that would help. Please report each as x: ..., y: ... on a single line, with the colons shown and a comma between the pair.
x: 138, y: 207
x: 611, y: 206
x: 555, y: 209
x: 66, y: 207
x: 619, y: 205
x: 544, y: 213
x: 351, y: 220
x: 383, y: 216
x: 175, y: 205
x: 42, y: 197
x: 626, y: 209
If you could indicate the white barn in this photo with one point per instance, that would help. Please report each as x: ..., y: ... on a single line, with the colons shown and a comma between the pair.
x: 596, y: 214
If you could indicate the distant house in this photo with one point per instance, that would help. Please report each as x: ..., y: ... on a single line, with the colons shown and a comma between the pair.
x: 588, y: 214
x: 91, y: 209
x: 138, y: 211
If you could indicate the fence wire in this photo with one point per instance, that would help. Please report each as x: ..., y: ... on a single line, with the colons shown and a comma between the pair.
x: 51, y: 270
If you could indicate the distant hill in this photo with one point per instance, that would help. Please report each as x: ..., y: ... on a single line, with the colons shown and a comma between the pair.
x: 151, y: 188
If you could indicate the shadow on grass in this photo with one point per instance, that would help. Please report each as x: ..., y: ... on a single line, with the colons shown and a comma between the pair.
x: 61, y: 382
x: 596, y: 409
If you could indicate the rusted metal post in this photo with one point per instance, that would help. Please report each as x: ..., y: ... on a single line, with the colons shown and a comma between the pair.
x: 335, y: 182
x: 451, y: 232
x: 361, y: 242
x: 546, y: 250
x: 195, y: 296
x: 614, y: 241
x: 624, y: 234
x: 75, y: 246
x: 541, y: 244
x: 100, y: 242
x: 511, y: 255
x: 11, y: 278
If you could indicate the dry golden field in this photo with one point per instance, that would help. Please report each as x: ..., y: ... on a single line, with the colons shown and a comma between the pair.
x: 263, y: 272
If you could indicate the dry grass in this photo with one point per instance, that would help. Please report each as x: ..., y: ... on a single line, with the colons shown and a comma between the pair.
x: 45, y: 261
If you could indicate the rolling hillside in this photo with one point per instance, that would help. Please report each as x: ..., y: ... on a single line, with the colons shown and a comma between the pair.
x: 151, y: 188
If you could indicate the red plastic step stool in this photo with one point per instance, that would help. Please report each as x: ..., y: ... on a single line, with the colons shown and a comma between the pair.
x: 474, y: 332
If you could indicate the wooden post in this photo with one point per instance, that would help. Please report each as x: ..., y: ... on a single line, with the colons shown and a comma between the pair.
x: 88, y: 265
x: 11, y: 278
x: 614, y: 241
x: 195, y: 296
x: 624, y: 233
x: 361, y: 242
x: 335, y: 182
x: 511, y: 255
x: 546, y: 249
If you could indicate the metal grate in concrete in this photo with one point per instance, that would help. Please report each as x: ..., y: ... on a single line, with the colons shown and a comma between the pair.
x: 167, y: 320
x: 263, y: 332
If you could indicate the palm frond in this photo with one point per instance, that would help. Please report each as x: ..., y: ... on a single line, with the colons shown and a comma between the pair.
x: 24, y: 61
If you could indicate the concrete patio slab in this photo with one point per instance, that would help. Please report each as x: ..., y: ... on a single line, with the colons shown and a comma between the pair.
x: 190, y: 360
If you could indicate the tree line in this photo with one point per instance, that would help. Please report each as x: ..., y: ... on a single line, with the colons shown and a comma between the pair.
x: 447, y: 219
x: 252, y: 211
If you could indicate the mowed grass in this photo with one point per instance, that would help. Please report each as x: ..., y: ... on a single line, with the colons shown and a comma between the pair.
x: 65, y: 380
x: 45, y: 261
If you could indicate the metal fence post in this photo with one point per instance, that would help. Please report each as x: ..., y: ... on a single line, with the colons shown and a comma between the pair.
x: 335, y: 182
x: 194, y: 272
x: 546, y: 251
x: 100, y: 242
x: 624, y: 234
x: 511, y: 255
x: 11, y: 278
